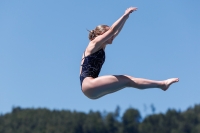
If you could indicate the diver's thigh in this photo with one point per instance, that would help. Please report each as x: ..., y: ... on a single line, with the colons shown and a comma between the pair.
x: 104, y: 84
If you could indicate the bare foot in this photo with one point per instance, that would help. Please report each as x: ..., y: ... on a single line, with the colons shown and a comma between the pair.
x: 168, y: 82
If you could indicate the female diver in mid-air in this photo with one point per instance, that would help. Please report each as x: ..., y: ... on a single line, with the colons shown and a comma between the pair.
x: 94, y: 56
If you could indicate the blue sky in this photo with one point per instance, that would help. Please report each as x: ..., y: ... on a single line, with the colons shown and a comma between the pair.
x: 41, y: 44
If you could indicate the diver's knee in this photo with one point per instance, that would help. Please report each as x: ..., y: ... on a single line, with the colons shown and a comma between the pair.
x: 127, y: 80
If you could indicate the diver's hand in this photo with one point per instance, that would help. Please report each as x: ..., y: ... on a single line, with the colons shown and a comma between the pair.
x: 130, y: 10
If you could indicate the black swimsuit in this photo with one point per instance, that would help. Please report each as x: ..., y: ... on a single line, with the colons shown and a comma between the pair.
x: 92, y: 65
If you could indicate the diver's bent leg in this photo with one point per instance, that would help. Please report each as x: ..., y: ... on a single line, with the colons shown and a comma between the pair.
x: 97, y: 87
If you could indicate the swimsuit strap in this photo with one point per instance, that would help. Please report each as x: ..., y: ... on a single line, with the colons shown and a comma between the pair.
x: 84, y: 55
x: 83, y: 58
x: 90, y: 54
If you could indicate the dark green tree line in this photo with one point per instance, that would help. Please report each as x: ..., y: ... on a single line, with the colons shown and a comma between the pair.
x: 43, y: 120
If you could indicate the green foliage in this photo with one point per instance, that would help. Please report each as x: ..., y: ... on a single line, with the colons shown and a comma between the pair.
x: 42, y: 120
x: 131, y: 121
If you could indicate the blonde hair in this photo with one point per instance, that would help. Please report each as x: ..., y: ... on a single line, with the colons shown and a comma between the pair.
x: 99, y: 30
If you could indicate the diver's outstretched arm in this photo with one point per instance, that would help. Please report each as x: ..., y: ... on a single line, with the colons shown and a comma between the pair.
x: 114, y: 28
x: 120, y: 28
